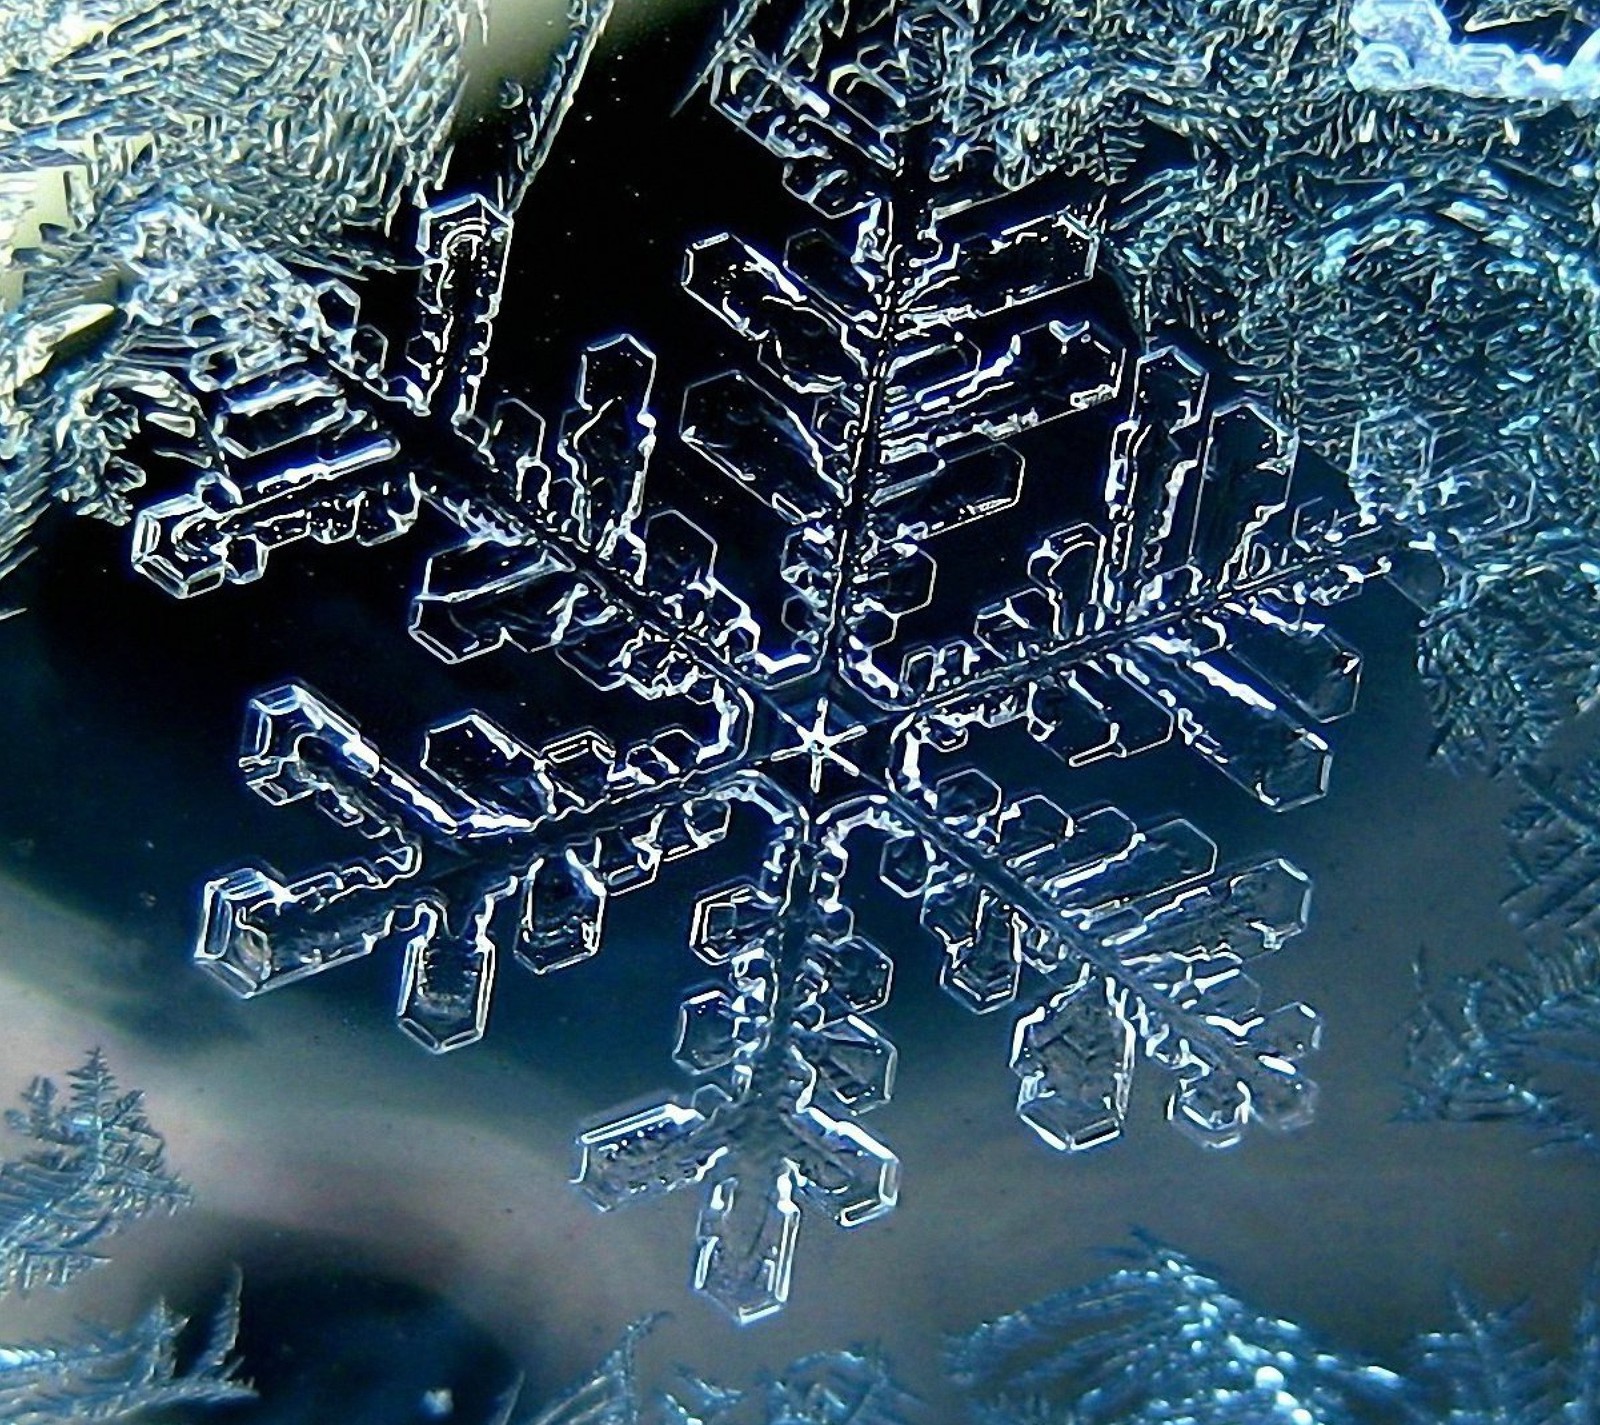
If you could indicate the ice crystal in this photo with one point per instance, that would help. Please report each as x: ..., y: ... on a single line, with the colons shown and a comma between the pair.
x: 827, y: 1388
x: 1390, y: 229
x: 608, y: 1396
x: 1515, y: 1042
x: 123, y: 1375
x: 898, y: 361
x: 1485, y: 1371
x: 1555, y: 853
x: 218, y: 168
x: 1159, y: 1342
x: 97, y: 1166
x: 1162, y: 1341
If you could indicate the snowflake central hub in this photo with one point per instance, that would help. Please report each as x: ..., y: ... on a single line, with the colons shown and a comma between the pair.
x: 818, y: 741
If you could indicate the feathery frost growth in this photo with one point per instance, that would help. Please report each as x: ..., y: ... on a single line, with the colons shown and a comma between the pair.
x: 917, y: 362
x: 1160, y: 1342
x: 97, y: 1166
x: 1517, y: 1042
x: 123, y: 1375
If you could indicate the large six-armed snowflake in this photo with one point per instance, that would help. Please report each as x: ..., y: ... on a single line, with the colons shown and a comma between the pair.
x: 900, y: 358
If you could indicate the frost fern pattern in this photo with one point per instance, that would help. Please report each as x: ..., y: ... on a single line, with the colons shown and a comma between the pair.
x: 97, y: 1166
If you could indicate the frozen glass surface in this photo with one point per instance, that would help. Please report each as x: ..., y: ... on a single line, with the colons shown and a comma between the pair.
x: 783, y: 586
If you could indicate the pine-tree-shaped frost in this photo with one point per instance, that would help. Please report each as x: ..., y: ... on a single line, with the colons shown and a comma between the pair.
x: 96, y: 1165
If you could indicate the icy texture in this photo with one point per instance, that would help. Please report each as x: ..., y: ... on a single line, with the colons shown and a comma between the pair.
x: 97, y: 1166
x: 122, y: 1375
x: 1518, y: 1042
x: 1161, y: 1343
x: 1486, y: 1371
x: 1390, y: 228
x: 1555, y: 854
x: 1407, y: 44
x: 219, y: 168
x: 890, y: 358
x: 828, y: 1388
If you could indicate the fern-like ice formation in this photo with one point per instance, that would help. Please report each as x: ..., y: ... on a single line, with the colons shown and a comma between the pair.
x: 186, y: 186
x: 95, y: 1166
x: 123, y: 1375
x: 1516, y: 1042
x: 1161, y: 1342
x: 905, y: 364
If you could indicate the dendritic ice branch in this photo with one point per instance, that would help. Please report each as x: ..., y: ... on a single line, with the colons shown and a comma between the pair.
x: 123, y: 1375
x: 912, y: 366
x: 1160, y: 1340
x: 1384, y: 215
x: 1518, y: 1042
x: 96, y: 1166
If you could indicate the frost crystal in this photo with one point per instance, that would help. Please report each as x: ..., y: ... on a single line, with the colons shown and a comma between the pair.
x: 97, y: 1167
x: 1161, y: 1343
x: 1515, y: 1042
x: 122, y: 1375
x: 1484, y: 1371
x: 900, y: 365
x: 828, y: 1388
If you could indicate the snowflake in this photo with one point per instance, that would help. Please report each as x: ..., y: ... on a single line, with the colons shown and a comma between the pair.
x: 906, y: 364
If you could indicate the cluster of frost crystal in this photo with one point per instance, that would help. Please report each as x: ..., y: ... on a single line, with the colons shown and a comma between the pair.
x: 828, y: 1388
x: 897, y: 360
x: 123, y: 1375
x: 96, y: 1167
x: 1516, y: 1042
x: 1161, y: 1342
